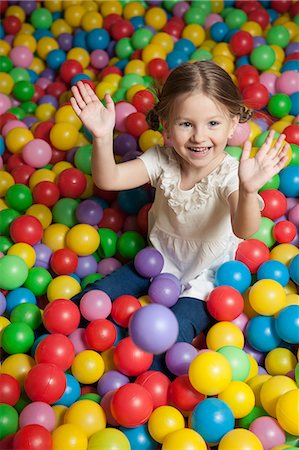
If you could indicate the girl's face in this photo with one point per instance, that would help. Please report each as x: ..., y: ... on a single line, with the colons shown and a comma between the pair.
x: 200, y: 129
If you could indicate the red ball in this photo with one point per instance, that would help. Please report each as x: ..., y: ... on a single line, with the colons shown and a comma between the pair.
x: 61, y: 316
x: 260, y: 16
x: 122, y: 309
x: 45, y: 383
x: 46, y: 193
x: 55, y: 349
x: 282, y: 6
x: 131, y: 405
x: 136, y: 124
x: 42, y: 131
x: 157, y: 68
x: 110, y: 20
x: 241, y: 43
x: 64, y: 261
x: 182, y: 394
x: 109, y: 196
x: 294, y: 9
x: 255, y: 96
x: 143, y: 101
x: 292, y: 134
x: 11, y: 25
x: 142, y: 218
x: 246, y: 68
x: 39, y: 92
x: 225, y: 303
x: 129, y: 359
x: 69, y: 69
x: 10, y: 390
x: 247, y: 79
x: 22, y: 173
x: 252, y: 253
x: 109, y: 70
x: 248, y: 6
x: 32, y: 437
x: 71, y: 183
x: 100, y: 334
x: 6, y: 117
x: 26, y: 229
x: 56, y: 88
x: 157, y: 384
x: 57, y: 156
x: 14, y: 161
x: 112, y: 219
x: 275, y: 204
x: 284, y: 231
x: 121, y: 29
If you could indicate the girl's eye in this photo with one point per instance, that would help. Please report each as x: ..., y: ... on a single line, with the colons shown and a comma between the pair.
x: 185, y: 124
x: 213, y: 123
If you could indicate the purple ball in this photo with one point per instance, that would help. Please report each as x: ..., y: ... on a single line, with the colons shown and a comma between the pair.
x: 87, y: 265
x: 149, y: 262
x: 179, y: 357
x: 124, y: 143
x: 43, y: 255
x: 48, y: 99
x: 262, y: 124
x: 65, y: 41
x: 48, y: 73
x: 108, y: 265
x: 28, y: 6
x: 90, y: 212
x: 258, y: 41
x: 78, y: 340
x: 169, y: 276
x: 292, y: 48
x: 2, y: 303
x: 258, y: 356
x: 113, y: 379
x: 30, y: 120
x: 154, y: 328
x: 164, y: 291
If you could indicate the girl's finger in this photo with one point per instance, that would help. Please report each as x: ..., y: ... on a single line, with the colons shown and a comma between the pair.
x: 77, y: 96
x: 75, y: 106
x: 109, y: 102
x: 84, y: 91
x: 246, y: 151
x: 267, y: 144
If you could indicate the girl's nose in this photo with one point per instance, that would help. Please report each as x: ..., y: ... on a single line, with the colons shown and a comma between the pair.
x: 198, y: 135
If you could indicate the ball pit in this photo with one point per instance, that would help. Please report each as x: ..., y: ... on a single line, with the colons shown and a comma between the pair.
x: 58, y: 232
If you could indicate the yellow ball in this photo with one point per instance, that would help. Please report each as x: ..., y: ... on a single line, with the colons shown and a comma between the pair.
x: 104, y: 88
x: 67, y: 114
x: 132, y: 91
x: 279, y: 126
x: 59, y: 411
x: 79, y: 54
x: 149, y: 138
x: 6, y: 181
x: 284, y: 253
x: 113, y: 79
x: 64, y: 136
x: 210, y: 373
x: 54, y: 236
x: 45, y: 112
x: 255, y: 131
x: 73, y: 15
x: 224, y: 333
x: 18, y: 366
x: 42, y: 213
x: 4, y: 322
x: 185, y: 439
x: 37, y: 66
x: 89, y: 190
x: 17, y: 138
x: 279, y: 53
x: 135, y: 66
x: 83, y: 239
x: 217, y: 6
x: 111, y: 7
x: 86, y: 414
x: 60, y: 26
x: 107, y: 356
x: 290, y: 288
x: 53, y: 5
x: 292, y: 28
x: 292, y: 299
x: 88, y: 367
x: 63, y: 286
x: 91, y: 20
x: 195, y: 33
x: 223, y: 49
x: 165, y: 420
x: 252, y: 28
x: 26, y: 40
x: 155, y: 17
x: 256, y: 383
x: 240, y: 439
x: 27, y: 28
x: 273, y: 389
x: 225, y: 63
x: 17, y: 11
x: 287, y: 411
x: 163, y: 39
x: 267, y: 297
x: 4, y: 47
x: 254, y: 368
x: 41, y: 175
x: 133, y: 9
x: 45, y: 45
x: 110, y: 439
x: 61, y: 166
x: 24, y: 251
x: 239, y: 397
x: 152, y: 51
x: 69, y: 437
x: 280, y: 361
x: 6, y: 83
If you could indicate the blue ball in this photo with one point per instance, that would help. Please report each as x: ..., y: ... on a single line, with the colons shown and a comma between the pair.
x: 71, y: 393
x: 295, y: 103
x: 212, y: 419
x: 97, y: 39
x: 41, y: 32
x: 176, y: 58
x: 137, y: 22
x: 79, y: 39
x: 294, y: 269
x: 185, y: 45
x: 235, y: 274
x: 78, y: 77
x: 130, y: 201
x: 33, y: 76
x: 274, y: 270
x: 55, y: 58
x: 2, y: 146
x: 290, y: 65
x: 261, y: 333
x: 289, y: 181
x: 18, y: 296
x: 287, y: 324
x: 139, y: 438
x: 218, y: 31
x: 36, y: 342
x: 242, y: 61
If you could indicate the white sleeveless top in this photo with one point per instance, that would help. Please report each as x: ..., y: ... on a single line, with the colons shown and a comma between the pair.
x: 192, y: 229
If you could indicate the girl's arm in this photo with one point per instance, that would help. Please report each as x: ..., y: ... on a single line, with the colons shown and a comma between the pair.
x: 100, y: 122
x: 253, y: 174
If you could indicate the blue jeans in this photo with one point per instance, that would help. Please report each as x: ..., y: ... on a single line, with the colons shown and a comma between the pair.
x: 190, y: 312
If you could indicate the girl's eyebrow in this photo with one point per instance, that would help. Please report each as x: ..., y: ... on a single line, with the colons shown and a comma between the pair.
x: 218, y: 116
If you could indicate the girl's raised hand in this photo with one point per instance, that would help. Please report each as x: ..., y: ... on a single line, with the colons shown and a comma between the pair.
x: 96, y: 118
x: 268, y: 161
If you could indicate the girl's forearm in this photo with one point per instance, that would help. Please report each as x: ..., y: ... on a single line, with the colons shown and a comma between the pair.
x: 103, y: 164
x: 247, y: 217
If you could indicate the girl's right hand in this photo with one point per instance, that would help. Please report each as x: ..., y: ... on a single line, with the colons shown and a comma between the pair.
x: 96, y: 118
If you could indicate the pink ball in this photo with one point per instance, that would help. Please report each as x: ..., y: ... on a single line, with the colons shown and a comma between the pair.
x: 288, y: 82
x: 1, y: 162
x: 37, y: 153
x: 43, y: 82
x: 291, y: 202
x: 78, y: 340
x: 122, y: 111
x: 293, y: 215
x: 95, y: 305
x: 38, y: 413
x: 108, y: 265
x: 180, y: 8
x: 21, y: 56
x: 240, y: 135
x: 211, y: 19
x: 268, y: 431
x: 99, y: 59
x: 241, y: 321
x: 11, y: 125
x: 5, y: 103
x: 269, y: 81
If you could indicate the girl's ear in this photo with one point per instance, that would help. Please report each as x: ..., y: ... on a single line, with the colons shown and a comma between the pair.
x: 235, y: 122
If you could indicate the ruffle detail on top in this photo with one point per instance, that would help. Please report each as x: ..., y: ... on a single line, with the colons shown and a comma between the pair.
x: 177, y: 199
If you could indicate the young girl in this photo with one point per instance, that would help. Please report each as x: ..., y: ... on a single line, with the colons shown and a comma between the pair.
x: 205, y: 200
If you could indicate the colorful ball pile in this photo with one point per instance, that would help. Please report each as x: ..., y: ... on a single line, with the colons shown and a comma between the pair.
x: 71, y: 376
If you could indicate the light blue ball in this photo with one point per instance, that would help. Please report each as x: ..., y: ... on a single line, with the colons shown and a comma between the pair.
x: 235, y: 274
x: 287, y: 324
x: 294, y: 269
x: 71, y: 393
x: 139, y: 438
x: 289, y: 181
x: 261, y: 333
x: 176, y: 58
x: 18, y: 296
x: 274, y: 270
x: 295, y: 104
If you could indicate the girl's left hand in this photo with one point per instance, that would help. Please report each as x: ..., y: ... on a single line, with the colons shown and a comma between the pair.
x: 255, y: 172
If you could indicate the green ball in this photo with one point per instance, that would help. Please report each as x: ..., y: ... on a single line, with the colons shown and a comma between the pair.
x: 64, y: 211
x: 236, y: 18
x: 224, y: 13
x: 41, y: 18
x: 14, y: 272
x: 38, y: 280
x: 148, y: 81
x: 255, y: 413
x: 262, y: 57
x: 23, y: 401
x: 195, y: 15
x: 108, y: 243
x: 19, y: 197
x: 7, y: 216
x: 27, y: 313
x: 9, y: 420
x: 18, y: 112
x: 119, y: 95
x: 124, y: 48
x: 29, y: 107
x: 23, y: 91
x: 17, y: 337
x: 297, y: 374
x: 91, y: 396
x: 293, y: 440
x: 5, y: 63
x: 234, y: 151
x: 168, y: 5
x: 261, y: 138
x: 278, y: 35
x: 205, y: 6
x: 141, y: 38
x: 279, y: 105
x: 129, y: 244
x: 91, y: 278
x: 201, y: 55
x: 129, y: 80
x: 82, y: 158
x: 296, y: 19
x: 295, y: 155
x: 264, y: 233
x: 273, y: 183
x: 19, y: 74
x: 5, y: 244
x: 238, y: 360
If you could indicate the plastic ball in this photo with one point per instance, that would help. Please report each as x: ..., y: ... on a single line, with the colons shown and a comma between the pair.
x: 272, y: 389
x: 55, y: 349
x: 10, y: 390
x: 111, y: 380
x: 109, y: 438
x: 253, y: 253
x: 235, y: 274
x: 183, y: 395
x: 164, y: 291
x: 14, y: 272
x: 45, y: 383
x: 64, y: 261
x: 280, y: 361
x: 87, y: 415
x: 284, y: 231
x: 64, y: 136
x: 38, y: 413
x: 130, y: 359
x: 267, y: 297
x: 88, y: 367
x: 274, y: 270
x: 179, y: 357
x: 184, y: 439
x: 95, y: 304
x: 71, y: 183
x: 100, y: 334
x: 83, y: 239
x: 19, y: 197
x: 26, y: 229
x: 286, y: 324
x: 287, y: 410
x: 261, y: 333
x: 165, y: 420
x: 61, y: 316
x: 69, y: 436
x: 63, y: 286
x: 122, y: 309
x: 33, y: 436
x: 225, y: 303
x: 244, y: 439
x: 294, y: 269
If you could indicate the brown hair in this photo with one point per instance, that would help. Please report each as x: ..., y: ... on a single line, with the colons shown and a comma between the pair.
x: 205, y: 76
